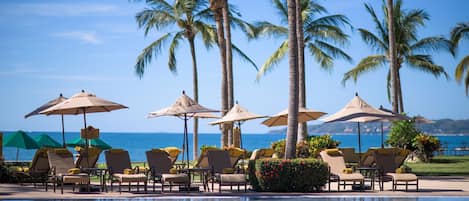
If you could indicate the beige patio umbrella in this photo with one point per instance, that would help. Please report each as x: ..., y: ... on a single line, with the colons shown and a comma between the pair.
x: 47, y: 106
x: 281, y: 118
x: 184, y: 108
x: 357, y: 110
x: 83, y: 103
x: 237, y: 114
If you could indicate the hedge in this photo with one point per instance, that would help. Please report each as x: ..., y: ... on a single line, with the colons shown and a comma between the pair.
x: 279, y: 175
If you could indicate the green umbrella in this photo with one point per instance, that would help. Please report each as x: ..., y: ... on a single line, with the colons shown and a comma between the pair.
x: 20, y: 139
x: 81, y: 142
x: 45, y: 140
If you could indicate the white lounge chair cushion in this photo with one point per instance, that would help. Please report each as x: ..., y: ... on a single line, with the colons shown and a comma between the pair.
x: 351, y: 177
x: 130, y: 177
x: 76, y: 179
x: 232, y: 178
x: 175, y: 178
x: 403, y: 176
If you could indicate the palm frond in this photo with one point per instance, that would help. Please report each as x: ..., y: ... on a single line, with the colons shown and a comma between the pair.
x: 145, y: 57
x: 367, y: 64
x: 269, y: 29
x: 150, y: 18
x: 244, y: 56
x: 462, y: 67
x: 160, y: 4
x: 208, y: 33
x: 172, y: 51
x: 432, y: 44
x: 332, y: 50
x: 327, y: 33
x: 425, y: 63
x: 374, y: 41
x: 457, y: 33
x: 323, y: 58
x: 382, y: 29
x: 273, y: 60
x: 336, y: 20
x: 388, y: 85
x: 281, y: 7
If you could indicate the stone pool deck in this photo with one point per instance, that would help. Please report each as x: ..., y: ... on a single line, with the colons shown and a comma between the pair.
x: 429, y: 186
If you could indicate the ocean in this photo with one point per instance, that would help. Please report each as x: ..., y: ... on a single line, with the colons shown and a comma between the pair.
x: 138, y: 143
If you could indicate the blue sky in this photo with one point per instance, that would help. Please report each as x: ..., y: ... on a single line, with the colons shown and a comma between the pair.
x: 53, y: 47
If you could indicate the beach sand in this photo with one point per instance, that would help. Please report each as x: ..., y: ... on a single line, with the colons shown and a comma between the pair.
x: 429, y: 186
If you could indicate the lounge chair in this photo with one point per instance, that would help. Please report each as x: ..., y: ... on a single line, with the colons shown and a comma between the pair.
x: 390, y: 169
x: 173, y: 153
x: 160, y: 170
x: 202, y: 161
x: 236, y: 154
x: 351, y: 158
x: 38, y: 171
x: 262, y: 153
x: 87, y: 158
x: 338, y: 171
x: 120, y: 169
x: 61, y: 163
x: 222, y: 171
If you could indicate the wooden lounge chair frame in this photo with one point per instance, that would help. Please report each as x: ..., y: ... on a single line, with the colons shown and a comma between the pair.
x: 117, y: 160
x: 336, y: 165
x: 160, y: 164
x: 38, y: 171
x: 60, y: 161
x: 387, y: 163
x: 218, y: 161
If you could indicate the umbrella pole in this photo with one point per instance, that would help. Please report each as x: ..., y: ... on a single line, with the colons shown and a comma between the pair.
x: 359, y: 145
x: 186, y: 139
x: 382, y: 136
x: 63, y: 131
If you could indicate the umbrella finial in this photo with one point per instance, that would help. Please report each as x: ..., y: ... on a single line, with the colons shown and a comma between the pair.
x: 61, y: 95
x: 236, y: 102
x: 356, y: 93
x: 82, y: 91
x: 183, y: 92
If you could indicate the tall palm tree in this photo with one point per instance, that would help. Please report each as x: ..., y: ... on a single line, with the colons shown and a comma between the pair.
x: 217, y: 8
x: 188, y: 16
x: 319, y: 34
x: 292, y: 129
x: 229, y: 63
x: 459, y: 32
x: 410, y: 50
x: 392, y: 56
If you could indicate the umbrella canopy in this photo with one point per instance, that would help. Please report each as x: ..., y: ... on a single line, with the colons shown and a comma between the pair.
x: 304, y: 115
x: 20, y: 139
x: 422, y: 120
x: 357, y: 110
x: 45, y: 140
x: 96, y: 142
x: 236, y: 114
x: 82, y: 103
x: 184, y: 108
x: 47, y: 106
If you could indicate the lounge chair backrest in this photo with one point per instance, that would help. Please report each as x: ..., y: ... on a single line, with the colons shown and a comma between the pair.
x: 117, y: 160
x: 159, y: 161
x: 349, y: 155
x: 61, y: 159
x: 219, y: 160
x: 40, y: 163
x: 336, y: 162
x: 385, y: 162
x: 88, y: 157
x: 202, y: 161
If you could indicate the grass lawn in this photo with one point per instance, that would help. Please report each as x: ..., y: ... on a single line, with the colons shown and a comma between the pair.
x: 442, y: 166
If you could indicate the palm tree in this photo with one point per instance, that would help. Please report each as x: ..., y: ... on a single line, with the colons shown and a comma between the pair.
x: 392, y: 56
x: 217, y: 6
x: 229, y: 64
x: 292, y: 129
x: 410, y: 50
x: 459, y: 32
x: 188, y: 15
x: 319, y: 35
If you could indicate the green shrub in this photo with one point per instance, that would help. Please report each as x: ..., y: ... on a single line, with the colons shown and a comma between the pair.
x: 402, y: 134
x: 425, y: 146
x: 279, y: 147
x: 319, y: 143
x: 279, y: 175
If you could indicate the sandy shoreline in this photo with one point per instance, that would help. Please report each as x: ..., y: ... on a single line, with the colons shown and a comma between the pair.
x: 429, y: 186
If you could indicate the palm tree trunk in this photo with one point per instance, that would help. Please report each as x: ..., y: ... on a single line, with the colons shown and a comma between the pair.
x: 229, y: 65
x: 399, y: 90
x: 292, y: 129
x: 216, y: 6
x: 392, y: 56
x: 195, y: 83
x: 302, y: 127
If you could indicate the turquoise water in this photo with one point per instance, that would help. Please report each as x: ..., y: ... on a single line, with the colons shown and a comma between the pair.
x: 138, y: 143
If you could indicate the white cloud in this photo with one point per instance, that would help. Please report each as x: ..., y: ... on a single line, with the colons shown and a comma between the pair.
x: 59, y: 9
x: 86, y: 37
